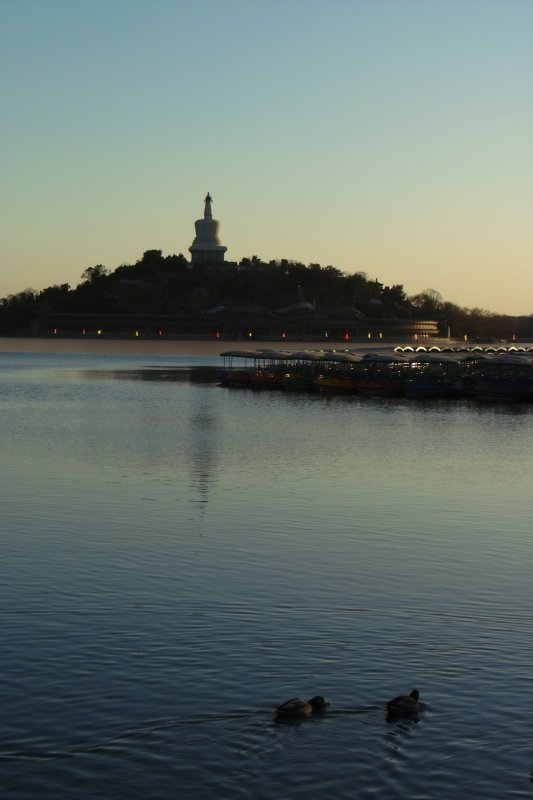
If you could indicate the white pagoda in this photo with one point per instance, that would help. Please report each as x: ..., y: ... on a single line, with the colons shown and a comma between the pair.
x: 206, y: 247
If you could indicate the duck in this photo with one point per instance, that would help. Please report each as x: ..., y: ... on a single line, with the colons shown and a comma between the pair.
x: 296, y: 707
x: 405, y: 705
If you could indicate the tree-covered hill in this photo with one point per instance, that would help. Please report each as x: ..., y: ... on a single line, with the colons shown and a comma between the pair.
x: 167, y: 285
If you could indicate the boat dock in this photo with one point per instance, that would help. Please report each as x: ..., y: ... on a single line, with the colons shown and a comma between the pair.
x: 492, y: 373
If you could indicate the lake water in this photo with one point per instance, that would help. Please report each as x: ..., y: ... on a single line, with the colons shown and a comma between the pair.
x: 179, y: 558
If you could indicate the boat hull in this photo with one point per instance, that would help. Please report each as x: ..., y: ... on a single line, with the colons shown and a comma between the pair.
x: 338, y: 385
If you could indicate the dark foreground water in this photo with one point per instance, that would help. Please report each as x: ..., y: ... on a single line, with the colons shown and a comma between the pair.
x: 178, y: 558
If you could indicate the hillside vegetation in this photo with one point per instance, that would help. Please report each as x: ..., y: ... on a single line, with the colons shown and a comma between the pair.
x: 169, y: 285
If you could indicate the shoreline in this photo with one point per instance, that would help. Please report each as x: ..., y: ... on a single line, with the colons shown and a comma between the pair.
x: 178, y: 347
x: 204, y: 347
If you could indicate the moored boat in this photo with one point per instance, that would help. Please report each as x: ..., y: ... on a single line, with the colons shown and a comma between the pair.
x: 263, y: 378
x: 382, y: 375
x: 298, y: 382
x: 239, y: 376
x: 339, y: 373
x: 505, y: 378
x: 302, y: 370
x: 270, y: 367
x: 435, y: 375
x: 491, y: 390
x: 425, y: 387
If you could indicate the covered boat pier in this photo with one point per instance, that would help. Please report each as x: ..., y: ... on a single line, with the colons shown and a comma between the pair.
x: 497, y: 374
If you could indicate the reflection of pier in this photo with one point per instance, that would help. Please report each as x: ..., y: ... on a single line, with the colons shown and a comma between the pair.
x: 491, y: 373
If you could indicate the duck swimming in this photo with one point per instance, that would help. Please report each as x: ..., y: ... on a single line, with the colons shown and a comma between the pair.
x: 404, y: 705
x: 296, y: 707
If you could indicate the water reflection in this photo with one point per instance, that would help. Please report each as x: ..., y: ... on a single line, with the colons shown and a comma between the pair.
x: 203, y: 450
x: 156, y: 374
x: 395, y: 716
x: 197, y: 425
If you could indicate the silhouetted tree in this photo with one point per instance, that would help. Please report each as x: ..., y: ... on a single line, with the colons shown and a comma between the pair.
x: 94, y: 274
x: 17, y: 311
x: 428, y: 302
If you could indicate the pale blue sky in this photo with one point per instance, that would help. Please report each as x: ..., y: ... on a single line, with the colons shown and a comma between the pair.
x: 393, y: 137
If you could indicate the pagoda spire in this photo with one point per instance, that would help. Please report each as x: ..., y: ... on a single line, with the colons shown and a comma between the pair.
x: 207, y: 208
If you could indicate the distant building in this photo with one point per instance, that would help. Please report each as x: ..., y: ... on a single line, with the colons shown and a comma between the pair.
x: 206, y: 247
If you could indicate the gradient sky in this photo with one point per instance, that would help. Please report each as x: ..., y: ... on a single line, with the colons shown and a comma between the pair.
x: 393, y: 137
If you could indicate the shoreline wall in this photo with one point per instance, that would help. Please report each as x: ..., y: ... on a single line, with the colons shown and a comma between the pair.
x: 198, y: 347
